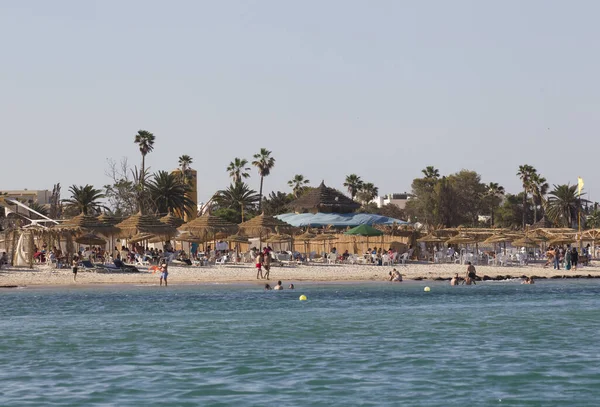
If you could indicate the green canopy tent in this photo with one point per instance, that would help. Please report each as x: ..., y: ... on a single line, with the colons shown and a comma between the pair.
x: 366, y: 231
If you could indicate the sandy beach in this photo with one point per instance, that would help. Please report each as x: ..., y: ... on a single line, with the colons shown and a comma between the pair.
x: 46, y: 276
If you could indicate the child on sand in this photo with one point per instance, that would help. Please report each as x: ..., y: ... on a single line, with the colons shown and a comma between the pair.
x: 259, y: 261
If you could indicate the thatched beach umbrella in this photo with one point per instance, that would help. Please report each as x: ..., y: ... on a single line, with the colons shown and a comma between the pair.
x: 430, y: 238
x: 324, y: 238
x: 79, y: 223
x: 279, y: 239
x: 526, y: 242
x: 264, y: 225
x: 90, y: 239
x: 209, y: 226
x: 171, y: 220
x: 145, y: 224
x: 305, y: 237
x: 560, y: 240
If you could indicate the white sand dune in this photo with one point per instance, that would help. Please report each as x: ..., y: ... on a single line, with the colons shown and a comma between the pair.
x: 42, y: 275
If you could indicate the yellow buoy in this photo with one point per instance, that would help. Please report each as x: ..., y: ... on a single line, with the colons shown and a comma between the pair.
x: 303, y: 297
x: 426, y: 289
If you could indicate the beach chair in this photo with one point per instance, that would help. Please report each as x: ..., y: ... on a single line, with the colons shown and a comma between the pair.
x: 87, y: 265
x: 331, y: 258
x: 118, y: 265
x: 403, y: 259
x: 139, y: 261
x: 221, y: 261
x: 385, y: 260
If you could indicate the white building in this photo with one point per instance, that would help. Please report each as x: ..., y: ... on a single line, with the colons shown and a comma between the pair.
x: 28, y: 196
x: 397, y: 199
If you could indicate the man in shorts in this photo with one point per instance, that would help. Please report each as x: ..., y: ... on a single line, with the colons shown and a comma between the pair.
x: 164, y: 273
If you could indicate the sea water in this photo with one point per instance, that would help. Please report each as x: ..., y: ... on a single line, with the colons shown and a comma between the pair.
x: 367, y: 344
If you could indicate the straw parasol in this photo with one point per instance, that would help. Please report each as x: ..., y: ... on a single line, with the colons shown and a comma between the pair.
x: 238, y: 239
x: 305, y: 237
x: 499, y: 238
x: 324, y: 199
x: 79, y: 223
x: 591, y: 234
x: 265, y: 225
x: 430, y: 238
x: 462, y: 239
x: 145, y: 224
x: 324, y: 238
x: 171, y: 220
x: 209, y: 225
x: 526, y: 242
x: 90, y: 239
x: 278, y: 238
x: 560, y: 240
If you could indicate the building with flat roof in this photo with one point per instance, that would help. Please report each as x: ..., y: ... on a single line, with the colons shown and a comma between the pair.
x: 397, y: 199
x: 28, y: 196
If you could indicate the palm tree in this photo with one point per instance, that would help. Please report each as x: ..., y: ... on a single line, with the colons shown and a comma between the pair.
x: 593, y: 219
x: 354, y: 184
x: 539, y: 189
x: 493, y: 191
x: 167, y: 193
x: 85, y: 199
x: 298, y: 184
x: 368, y: 192
x: 431, y: 172
x: 237, y: 169
x: 265, y: 163
x: 185, y: 162
x: 525, y: 173
x: 563, y: 204
x: 239, y: 197
x: 145, y: 140
x: 276, y: 203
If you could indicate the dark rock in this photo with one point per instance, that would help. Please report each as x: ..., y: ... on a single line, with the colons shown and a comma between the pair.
x: 486, y: 278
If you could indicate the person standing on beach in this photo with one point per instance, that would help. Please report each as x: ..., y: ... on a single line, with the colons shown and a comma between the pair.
x: 75, y: 264
x: 164, y: 273
x: 556, y: 258
x: 574, y: 258
x: 259, y: 261
x: 267, y: 262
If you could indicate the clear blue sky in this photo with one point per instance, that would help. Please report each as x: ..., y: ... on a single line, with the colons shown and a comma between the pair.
x: 381, y: 89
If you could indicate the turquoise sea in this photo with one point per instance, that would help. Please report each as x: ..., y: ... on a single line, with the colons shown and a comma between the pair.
x: 368, y: 344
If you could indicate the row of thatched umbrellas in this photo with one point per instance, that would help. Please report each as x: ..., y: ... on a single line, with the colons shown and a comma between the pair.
x: 516, y: 239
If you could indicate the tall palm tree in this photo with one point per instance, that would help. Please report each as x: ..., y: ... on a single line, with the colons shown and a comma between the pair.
x: 493, y: 191
x: 298, y: 183
x: 237, y: 169
x: 185, y: 162
x: 593, y: 219
x: 354, y: 184
x: 85, y: 199
x: 265, y: 163
x: 239, y: 197
x: 563, y: 204
x: 539, y: 189
x: 431, y: 172
x: 145, y: 141
x: 276, y: 203
x: 368, y: 192
x: 167, y: 193
x: 525, y: 173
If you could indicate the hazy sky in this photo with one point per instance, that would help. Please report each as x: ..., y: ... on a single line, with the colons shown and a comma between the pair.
x: 377, y: 88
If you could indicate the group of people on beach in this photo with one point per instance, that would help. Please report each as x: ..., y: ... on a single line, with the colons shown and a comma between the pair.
x: 569, y: 256
x: 263, y: 260
x: 278, y: 287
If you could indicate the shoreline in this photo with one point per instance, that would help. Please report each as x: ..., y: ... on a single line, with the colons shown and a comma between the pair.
x: 42, y: 276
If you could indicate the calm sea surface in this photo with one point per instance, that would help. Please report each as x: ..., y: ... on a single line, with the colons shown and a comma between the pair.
x: 349, y: 344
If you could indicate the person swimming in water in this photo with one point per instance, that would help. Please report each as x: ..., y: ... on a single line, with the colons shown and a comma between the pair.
x: 279, y: 286
x: 454, y: 280
x: 291, y: 287
x: 267, y: 287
